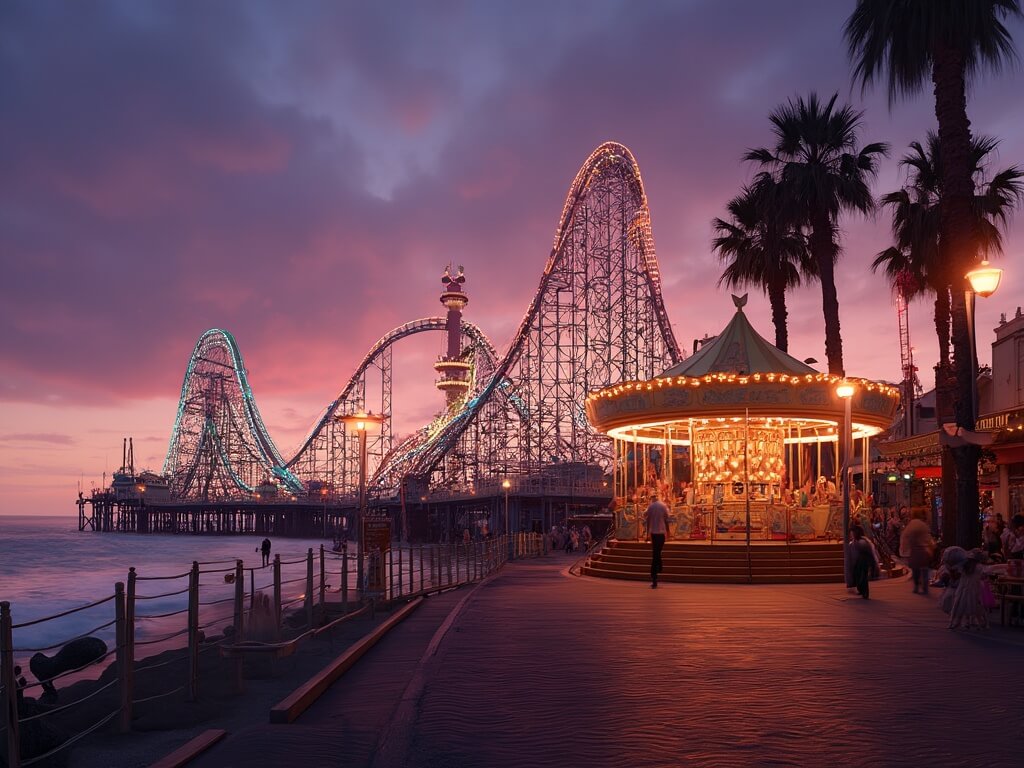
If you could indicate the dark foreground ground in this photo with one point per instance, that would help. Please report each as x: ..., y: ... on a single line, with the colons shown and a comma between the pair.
x: 538, y: 668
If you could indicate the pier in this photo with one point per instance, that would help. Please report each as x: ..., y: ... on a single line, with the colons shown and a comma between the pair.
x: 529, y: 503
x: 104, y: 512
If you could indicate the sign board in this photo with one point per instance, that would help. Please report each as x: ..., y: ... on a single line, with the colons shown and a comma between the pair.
x: 376, y: 541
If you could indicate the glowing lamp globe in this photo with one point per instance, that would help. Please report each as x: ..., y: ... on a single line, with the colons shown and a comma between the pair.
x: 845, y: 389
x: 362, y: 422
x: 984, y: 279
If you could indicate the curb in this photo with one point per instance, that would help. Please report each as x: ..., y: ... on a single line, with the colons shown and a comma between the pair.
x: 394, y: 742
x: 303, y: 697
x: 190, y: 750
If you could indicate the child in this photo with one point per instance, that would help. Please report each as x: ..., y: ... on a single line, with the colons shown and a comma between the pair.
x: 967, y: 607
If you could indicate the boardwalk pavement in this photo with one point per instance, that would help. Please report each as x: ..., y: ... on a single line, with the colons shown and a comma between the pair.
x: 538, y: 668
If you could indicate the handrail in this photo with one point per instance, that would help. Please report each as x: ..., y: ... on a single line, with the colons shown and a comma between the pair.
x: 576, y: 569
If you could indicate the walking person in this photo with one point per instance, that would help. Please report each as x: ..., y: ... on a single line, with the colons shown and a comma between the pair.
x: 865, y: 564
x: 657, y: 530
x: 918, y: 546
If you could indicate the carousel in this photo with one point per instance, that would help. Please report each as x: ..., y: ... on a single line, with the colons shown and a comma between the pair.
x: 741, y: 440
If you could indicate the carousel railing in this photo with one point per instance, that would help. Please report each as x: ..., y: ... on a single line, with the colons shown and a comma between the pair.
x: 727, y: 522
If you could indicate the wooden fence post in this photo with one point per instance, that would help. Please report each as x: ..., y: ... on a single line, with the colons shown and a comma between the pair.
x: 277, y: 597
x: 391, y: 573
x: 239, y: 620
x: 399, y: 569
x: 309, y: 588
x: 193, y: 632
x: 119, y: 654
x: 129, y: 647
x: 360, y: 576
x: 10, y: 683
x: 344, y: 580
x: 239, y: 617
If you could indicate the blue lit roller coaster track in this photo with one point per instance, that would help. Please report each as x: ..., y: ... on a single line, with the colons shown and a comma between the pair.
x: 497, y: 377
x: 480, y: 343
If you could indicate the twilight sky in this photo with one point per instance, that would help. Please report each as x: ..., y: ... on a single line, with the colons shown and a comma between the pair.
x: 300, y: 173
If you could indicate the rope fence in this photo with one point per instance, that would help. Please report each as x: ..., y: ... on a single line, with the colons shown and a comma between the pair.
x: 268, y: 608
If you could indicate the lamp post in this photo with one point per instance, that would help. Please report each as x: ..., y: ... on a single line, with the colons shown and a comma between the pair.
x: 845, y: 390
x: 506, y: 484
x: 361, y: 422
x: 983, y: 281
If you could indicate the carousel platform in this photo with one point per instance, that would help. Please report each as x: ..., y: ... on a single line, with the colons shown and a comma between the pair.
x: 721, y: 562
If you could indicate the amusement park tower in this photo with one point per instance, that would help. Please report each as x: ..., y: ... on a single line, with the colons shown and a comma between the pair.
x: 454, y: 381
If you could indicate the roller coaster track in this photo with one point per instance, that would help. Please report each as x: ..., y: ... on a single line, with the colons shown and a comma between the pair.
x: 597, y: 317
x: 553, y: 429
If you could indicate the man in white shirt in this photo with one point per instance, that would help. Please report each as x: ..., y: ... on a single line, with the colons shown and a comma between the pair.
x: 657, y: 531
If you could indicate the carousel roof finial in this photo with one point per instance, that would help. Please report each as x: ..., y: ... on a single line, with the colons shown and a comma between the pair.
x: 739, y: 301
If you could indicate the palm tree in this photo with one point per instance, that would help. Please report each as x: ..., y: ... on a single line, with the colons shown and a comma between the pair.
x: 915, y: 223
x: 762, y: 250
x: 948, y: 42
x: 821, y: 174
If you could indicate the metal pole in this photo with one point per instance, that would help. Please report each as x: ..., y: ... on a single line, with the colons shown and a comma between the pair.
x: 847, y: 429
x: 193, y: 632
x: 746, y: 485
x: 8, y: 678
x: 362, y: 505
x: 972, y: 412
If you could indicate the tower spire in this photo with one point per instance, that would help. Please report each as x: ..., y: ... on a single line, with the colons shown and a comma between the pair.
x: 454, y: 371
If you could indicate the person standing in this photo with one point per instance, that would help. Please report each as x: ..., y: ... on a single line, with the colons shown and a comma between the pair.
x: 1013, y: 539
x: 657, y: 531
x: 265, y: 551
x: 863, y: 558
x: 918, y: 546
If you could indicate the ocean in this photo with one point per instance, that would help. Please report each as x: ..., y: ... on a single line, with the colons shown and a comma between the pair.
x: 47, y: 566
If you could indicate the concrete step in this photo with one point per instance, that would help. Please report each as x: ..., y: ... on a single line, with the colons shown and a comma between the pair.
x: 721, y: 563
x: 730, y: 578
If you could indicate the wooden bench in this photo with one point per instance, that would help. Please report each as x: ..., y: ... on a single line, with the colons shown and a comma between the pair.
x: 190, y: 750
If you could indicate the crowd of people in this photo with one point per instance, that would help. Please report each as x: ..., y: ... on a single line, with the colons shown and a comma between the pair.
x: 570, y: 538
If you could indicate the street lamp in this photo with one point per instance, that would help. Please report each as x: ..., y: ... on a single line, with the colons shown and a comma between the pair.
x: 845, y: 390
x: 506, y: 484
x: 361, y: 422
x: 983, y: 280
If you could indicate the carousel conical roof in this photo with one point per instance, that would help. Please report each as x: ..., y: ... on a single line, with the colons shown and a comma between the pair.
x: 739, y: 349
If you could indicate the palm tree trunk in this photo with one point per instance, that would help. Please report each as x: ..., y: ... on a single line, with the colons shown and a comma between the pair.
x: 957, y: 249
x: 942, y: 323
x: 777, y: 298
x: 823, y: 249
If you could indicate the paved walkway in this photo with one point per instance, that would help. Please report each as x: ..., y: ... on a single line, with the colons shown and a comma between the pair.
x: 542, y: 669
